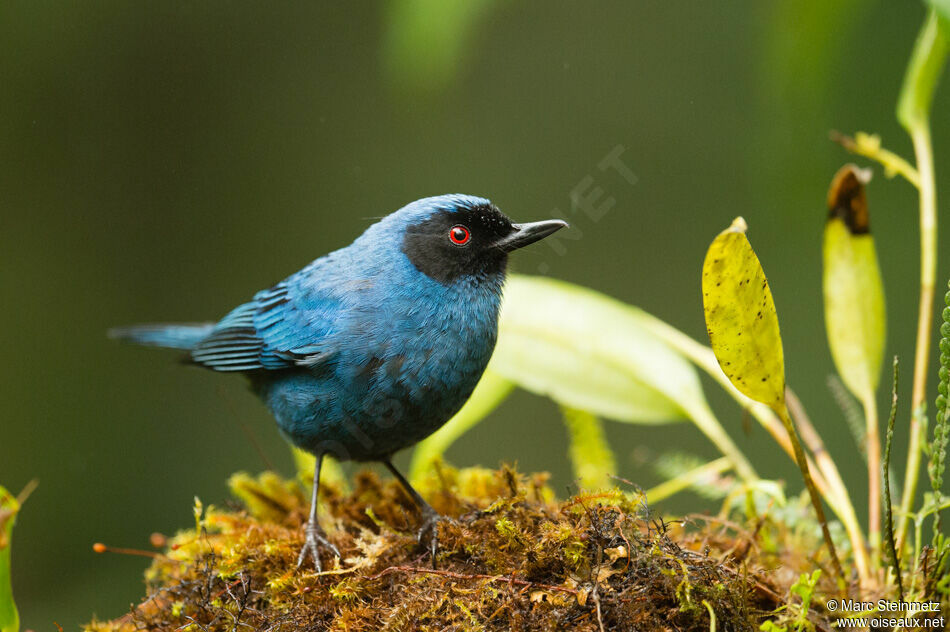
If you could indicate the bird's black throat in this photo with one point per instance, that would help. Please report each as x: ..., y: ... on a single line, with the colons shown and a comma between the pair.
x: 429, y: 249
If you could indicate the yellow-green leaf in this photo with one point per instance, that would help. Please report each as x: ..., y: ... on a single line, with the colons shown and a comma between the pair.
x: 740, y: 317
x: 743, y: 330
x: 591, y: 456
x: 854, y: 292
x: 9, y: 618
x: 490, y: 391
x: 587, y: 351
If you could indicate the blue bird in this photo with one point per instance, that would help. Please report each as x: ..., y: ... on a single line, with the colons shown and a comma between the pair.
x: 373, y: 347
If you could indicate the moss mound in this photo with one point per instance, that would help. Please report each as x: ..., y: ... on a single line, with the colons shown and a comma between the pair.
x: 513, y: 558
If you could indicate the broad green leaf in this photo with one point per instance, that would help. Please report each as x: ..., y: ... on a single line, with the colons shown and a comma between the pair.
x: 587, y: 351
x: 9, y: 618
x: 741, y: 318
x: 591, y: 456
x: 854, y: 292
x: 491, y: 390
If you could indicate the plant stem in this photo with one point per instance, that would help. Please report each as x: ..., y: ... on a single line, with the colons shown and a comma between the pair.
x: 837, y: 496
x: 706, y: 421
x: 675, y: 485
x: 703, y: 357
x: 928, y: 265
x: 827, y: 466
x: 869, y: 146
x: 913, y: 112
x: 782, y: 412
x: 873, y: 444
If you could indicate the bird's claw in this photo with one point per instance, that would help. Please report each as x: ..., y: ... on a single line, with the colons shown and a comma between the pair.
x: 428, y: 533
x: 314, y: 541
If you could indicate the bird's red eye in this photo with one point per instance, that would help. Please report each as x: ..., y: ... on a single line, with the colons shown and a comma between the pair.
x: 459, y: 235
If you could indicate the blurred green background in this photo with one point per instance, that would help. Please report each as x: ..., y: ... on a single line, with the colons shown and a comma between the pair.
x: 163, y: 161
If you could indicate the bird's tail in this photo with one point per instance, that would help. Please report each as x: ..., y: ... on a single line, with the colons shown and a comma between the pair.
x: 182, y: 336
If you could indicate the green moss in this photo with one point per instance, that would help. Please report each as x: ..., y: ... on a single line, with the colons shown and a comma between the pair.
x: 512, y: 558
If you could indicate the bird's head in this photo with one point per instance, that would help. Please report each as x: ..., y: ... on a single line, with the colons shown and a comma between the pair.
x: 451, y: 237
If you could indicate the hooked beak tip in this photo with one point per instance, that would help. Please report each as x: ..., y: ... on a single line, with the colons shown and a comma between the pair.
x: 525, y: 234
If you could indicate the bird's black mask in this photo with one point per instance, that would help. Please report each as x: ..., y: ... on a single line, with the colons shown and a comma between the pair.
x: 452, y: 244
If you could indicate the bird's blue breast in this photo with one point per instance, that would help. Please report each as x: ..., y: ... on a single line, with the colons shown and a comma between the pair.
x: 400, y: 352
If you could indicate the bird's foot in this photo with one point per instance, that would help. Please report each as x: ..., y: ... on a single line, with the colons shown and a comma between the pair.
x: 428, y: 533
x: 315, y: 540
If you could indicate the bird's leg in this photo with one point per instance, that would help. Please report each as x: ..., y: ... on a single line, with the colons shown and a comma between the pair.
x: 429, y: 531
x: 315, y: 537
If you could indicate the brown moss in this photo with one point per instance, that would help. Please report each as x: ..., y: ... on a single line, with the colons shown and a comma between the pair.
x: 512, y: 559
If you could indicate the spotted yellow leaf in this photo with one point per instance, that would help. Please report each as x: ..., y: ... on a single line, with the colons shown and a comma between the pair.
x: 740, y: 317
x: 743, y: 330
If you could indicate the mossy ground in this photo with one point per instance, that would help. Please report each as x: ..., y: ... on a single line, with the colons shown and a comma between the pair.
x: 513, y: 558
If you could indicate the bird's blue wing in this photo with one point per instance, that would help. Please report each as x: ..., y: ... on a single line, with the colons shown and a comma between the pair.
x: 282, y: 327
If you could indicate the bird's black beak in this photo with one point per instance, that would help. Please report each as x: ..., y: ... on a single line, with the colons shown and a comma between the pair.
x: 523, y: 234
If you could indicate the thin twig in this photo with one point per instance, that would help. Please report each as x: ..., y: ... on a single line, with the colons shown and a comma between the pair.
x: 600, y: 620
x: 781, y: 410
x: 491, y: 578
x: 99, y: 547
x: 827, y: 466
x: 27, y: 490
